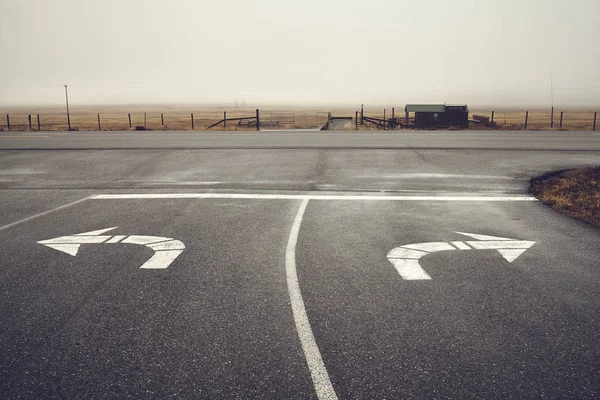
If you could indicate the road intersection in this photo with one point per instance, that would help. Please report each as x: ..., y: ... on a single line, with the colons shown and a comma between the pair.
x: 293, y: 284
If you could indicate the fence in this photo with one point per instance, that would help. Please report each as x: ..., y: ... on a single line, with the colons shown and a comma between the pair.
x: 540, y: 120
x: 156, y: 120
x: 486, y: 119
x: 247, y: 121
x: 310, y: 119
x: 278, y: 120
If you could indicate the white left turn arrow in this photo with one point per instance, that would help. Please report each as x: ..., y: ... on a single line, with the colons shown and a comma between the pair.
x: 166, y: 250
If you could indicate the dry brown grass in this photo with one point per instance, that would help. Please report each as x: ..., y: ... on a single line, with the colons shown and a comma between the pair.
x: 575, y: 193
x: 175, y: 118
x: 573, y: 119
x: 178, y: 117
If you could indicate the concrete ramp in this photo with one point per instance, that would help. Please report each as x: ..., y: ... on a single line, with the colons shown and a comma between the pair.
x: 340, y: 124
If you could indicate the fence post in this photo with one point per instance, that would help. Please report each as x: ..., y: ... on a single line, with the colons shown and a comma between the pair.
x: 561, y: 119
x: 257, y: 120
x: 162, y: 120
x: 362, y: 114
x: 356, y: 120
x: 526, y: 118
x: 224, y: 119
x: 192, y: 115
x: 552, y: 118
x: 129, y: 115
x: 8, y: 121
x: 384, y: 119
x: 99, y: 123
x: 29, y: 117
x: 393, y: 123
x: 492, y: 123
x: 145, y: 121
x: 39, y: 125
x: 595, y: 113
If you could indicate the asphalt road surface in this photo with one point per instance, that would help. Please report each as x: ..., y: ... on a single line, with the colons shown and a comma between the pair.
x: 294, y: 265
x: 518, y: 140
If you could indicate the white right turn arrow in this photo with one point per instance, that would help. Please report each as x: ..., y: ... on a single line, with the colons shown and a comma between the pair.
x: 406, y: 258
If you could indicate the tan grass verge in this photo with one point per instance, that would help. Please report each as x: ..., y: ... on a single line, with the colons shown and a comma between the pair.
x: 575, y: 193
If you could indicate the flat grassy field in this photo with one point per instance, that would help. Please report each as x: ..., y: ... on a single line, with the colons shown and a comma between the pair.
x: 575, y: 193
x: 153, y: 117
x: 85, y: 118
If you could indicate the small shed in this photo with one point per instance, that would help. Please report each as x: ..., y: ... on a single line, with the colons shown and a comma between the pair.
x: 433, y: 116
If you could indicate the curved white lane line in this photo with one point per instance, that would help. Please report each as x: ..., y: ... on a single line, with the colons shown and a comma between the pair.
x: 318, y: 372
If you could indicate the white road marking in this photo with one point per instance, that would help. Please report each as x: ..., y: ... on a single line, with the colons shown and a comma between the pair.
x: 147, y: 196
x: 76, y: 240
x: 430, y: 247
x: 42, y: 214
x: 144, y: 240
x: 461, y: 245
x: 70, y: 249
x: 406, y: 258
x: 410, y: 270
x: 166, y: 250
x: 482, y: 237
x: 162, y: 259
x: 318, y: 372
x: 435, y: 176
x: 170, y: 245
x: 400, y: 252
x: 95, y: 233
x: 117, y: 239
x: 501, y: 244
x: 511, y: 254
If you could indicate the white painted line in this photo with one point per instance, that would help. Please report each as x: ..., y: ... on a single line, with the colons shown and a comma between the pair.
x: 461, y: 245
x: 145, y: 240
x: 76, y: 240
x: 407, y: 263
x: 318, y: 372
x: 401, y: 252
x: 482, y: 237
x: 170, y: 245
x: 162, y: 259
x: 511, y: 254
x: 147, y: 196
x: 166, y: 250
x: 430, y: 247
x: 501, y: 244
x: 96, y: 233
x: 117, y: 239
x: 410, y: 270
x: 436, y: 176
x: 71, y: 249
x: 42, y: 214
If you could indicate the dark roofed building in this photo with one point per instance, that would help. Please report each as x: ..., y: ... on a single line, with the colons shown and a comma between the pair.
x: 433, y: 116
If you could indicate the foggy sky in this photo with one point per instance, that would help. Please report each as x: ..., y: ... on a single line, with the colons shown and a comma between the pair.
x: 488, y: 52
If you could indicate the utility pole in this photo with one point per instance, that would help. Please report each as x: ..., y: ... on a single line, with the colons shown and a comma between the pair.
x: 67, y: 99
x: 552, y: 100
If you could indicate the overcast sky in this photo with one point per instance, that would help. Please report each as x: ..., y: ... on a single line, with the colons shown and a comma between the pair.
x: 492, y: 52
